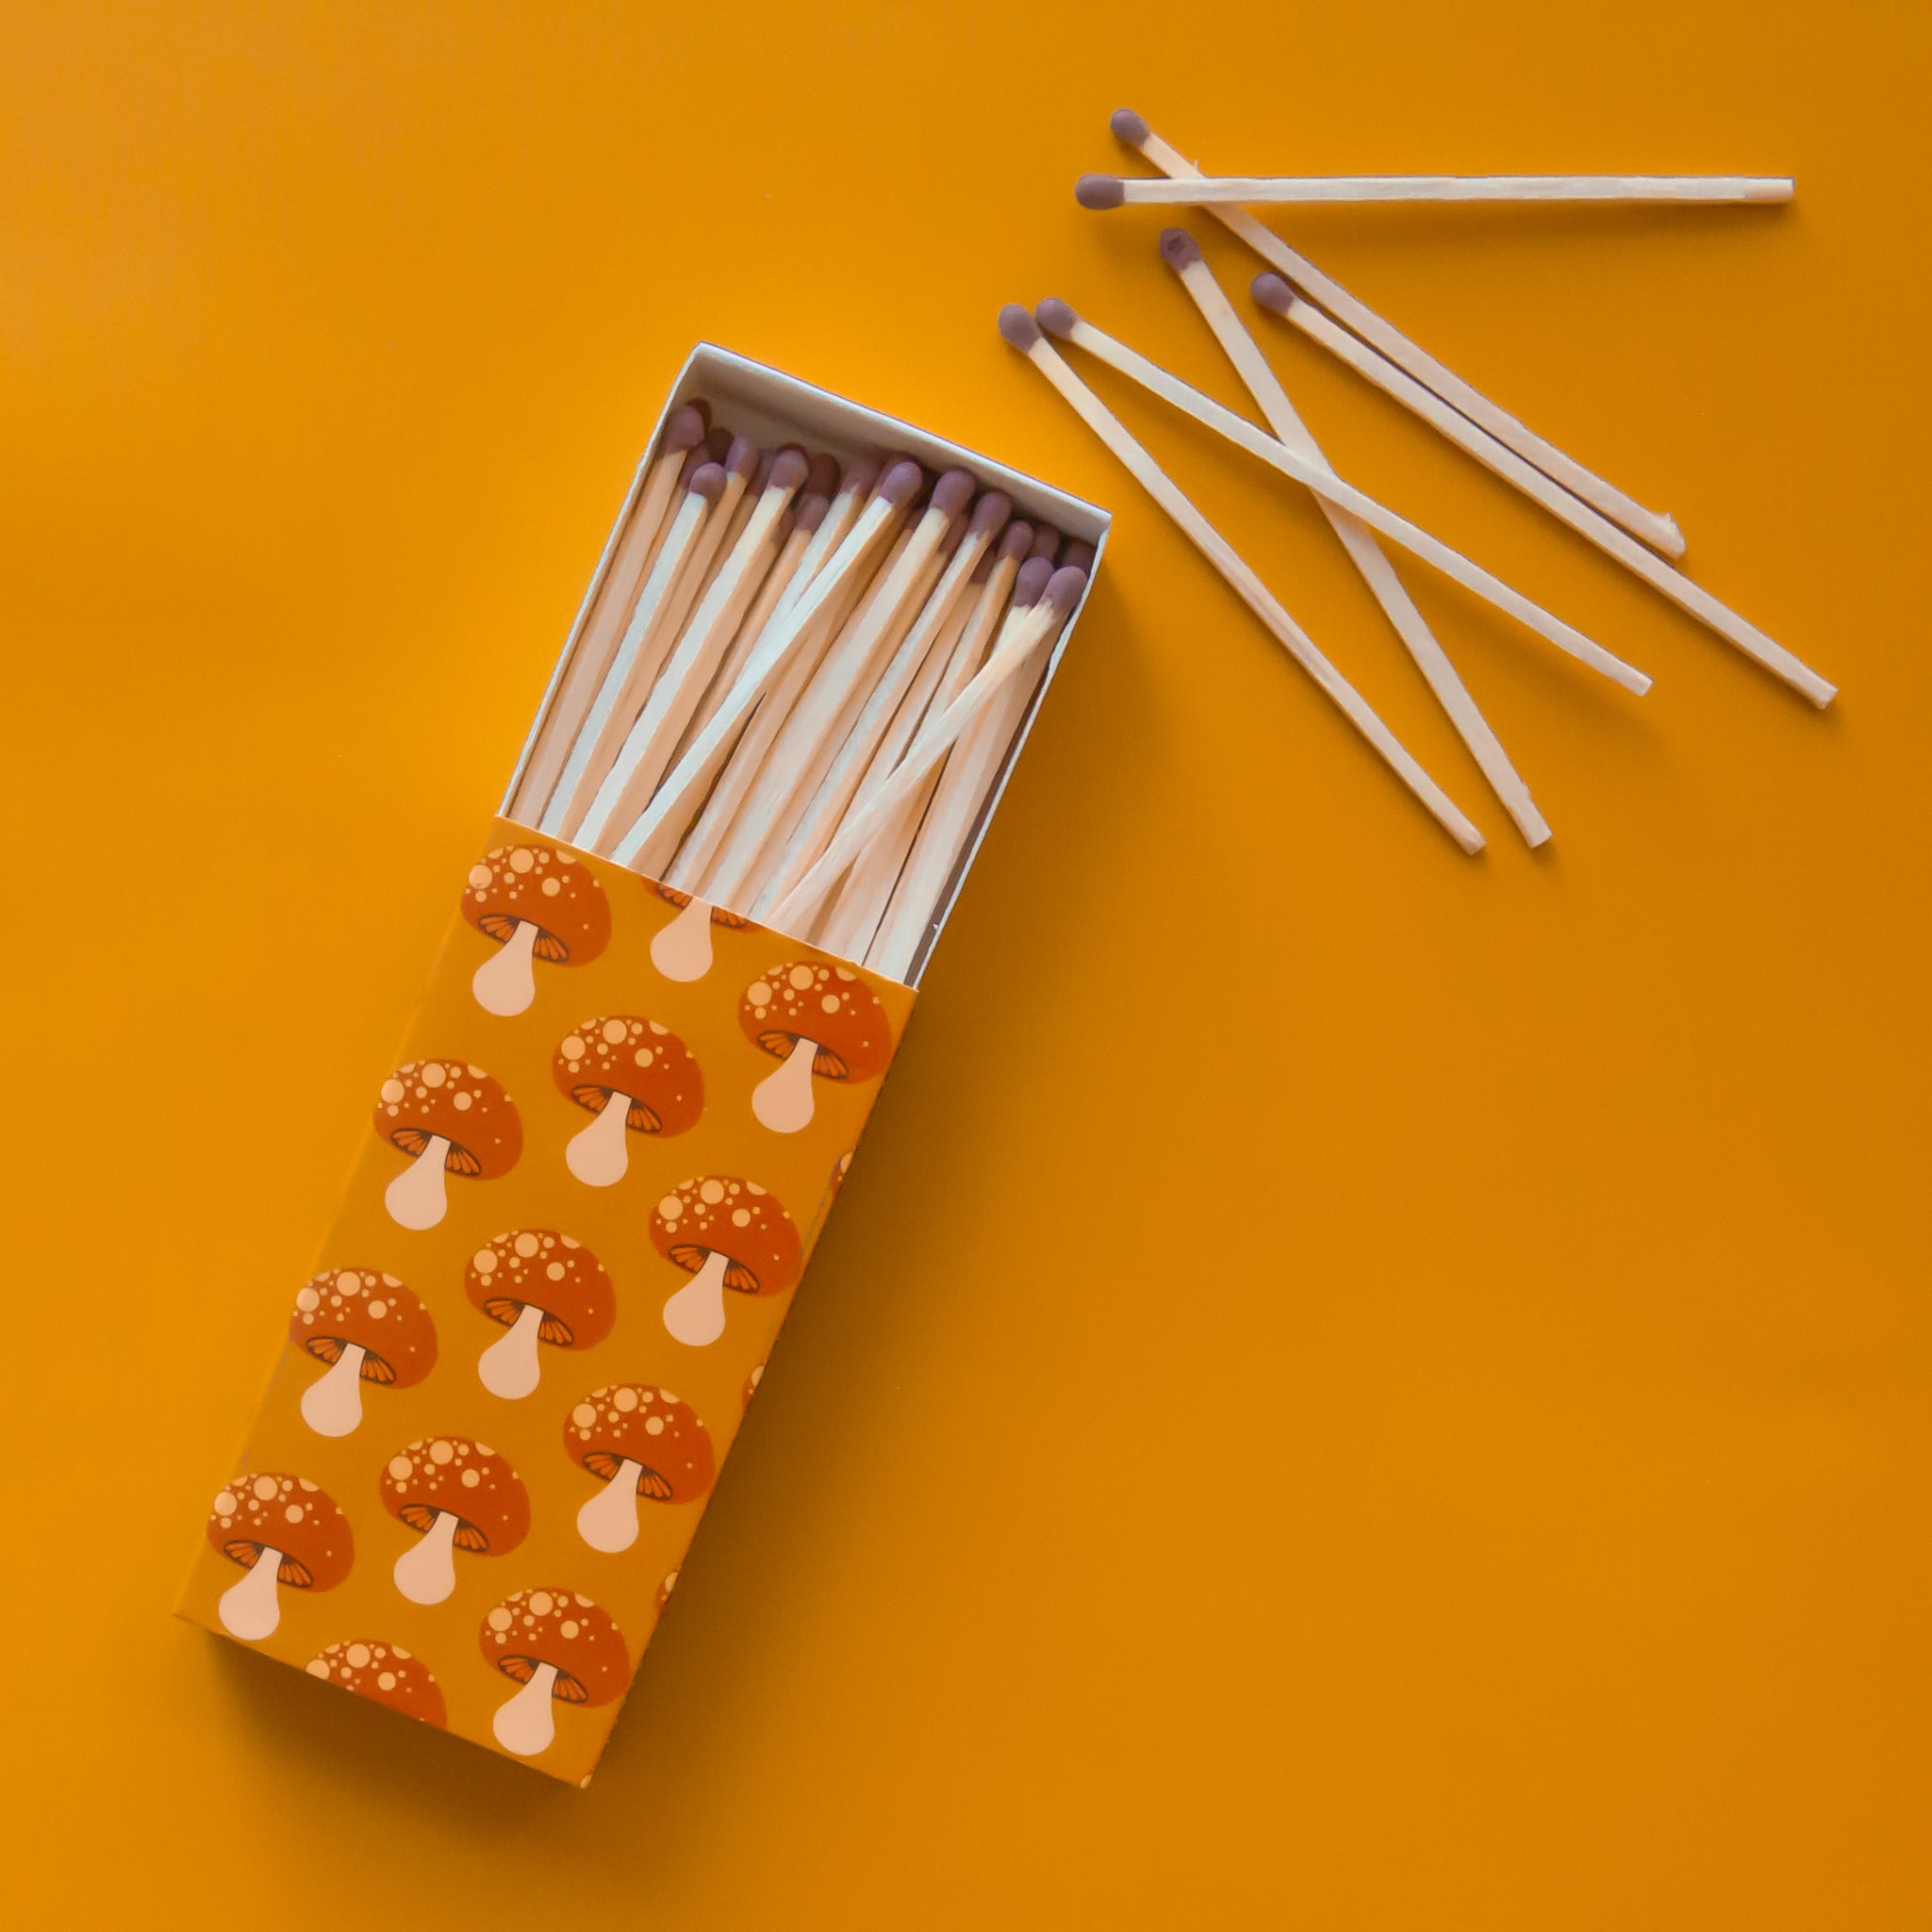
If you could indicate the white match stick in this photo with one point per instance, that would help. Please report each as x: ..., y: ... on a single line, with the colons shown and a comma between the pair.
x: 1656, y: 529
x: 1180, y: 252
x: 1060, y: 320
x: 604, y: 625
x: 1274, y: 294
x: 1024, y: 333
x: 1213, y: 190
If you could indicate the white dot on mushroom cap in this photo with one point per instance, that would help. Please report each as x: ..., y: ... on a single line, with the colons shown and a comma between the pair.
x: 583, y: 1415
x: 432, y: 1075
x: 265, y: 1488
x: 440, y: 1451
x: 400, y: 1467
x: 741, y: 1218
x: 317, y: 1667
x: 483, y: 1262
x: 480, y: 877
x: 711, y: 1192
x: 654, y: 1424
x: 569, y: 1628
x: 521, y: 859
x: 625, y: 1400
x: 393, y: 1091
x: 801, y: 976
x: 472, y: 1477
x: 225, y: 1503
x: 292, y: 1514
x: 499, y: 1619
x: 525, y: 1244
x: 464, y: 1102
x: 357, y: 1655
x: 573, y: 1048
x: 540, y: 1605
x: 307, y: 1300
x: 670, y: 1207
x: 758, y: 993
x: 482, y: 1449
x: 386, y: 1681
x: 554, y: 1271
x: 476, y: 1073
x: 615, y: 1032
x: 829, y: 1003
x: 551, y: 887
x: 377, y: 1310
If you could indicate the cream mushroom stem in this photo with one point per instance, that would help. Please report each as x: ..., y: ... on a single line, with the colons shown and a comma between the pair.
x: 510, y: 1366
x: 695, y: 1314
x: 597, y: 1156
x: 683, y: 950
x: 505, y: 982
x: 415, y: 1198
x: 782, y: 1101
x: 251, y: 1609
x: 332, y: 1404
x: 526, y: 1725
x: 609, y: 1520
x: 427, y: 1572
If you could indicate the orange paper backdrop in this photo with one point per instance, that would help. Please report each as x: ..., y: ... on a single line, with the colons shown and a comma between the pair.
x: 1351, y: 1387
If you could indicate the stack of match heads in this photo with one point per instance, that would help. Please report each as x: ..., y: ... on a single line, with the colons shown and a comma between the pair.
x: 1643, y: 540
x: 795, y: 688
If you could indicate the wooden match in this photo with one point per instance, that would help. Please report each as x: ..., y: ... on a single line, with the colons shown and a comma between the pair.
x: 1306, y: 191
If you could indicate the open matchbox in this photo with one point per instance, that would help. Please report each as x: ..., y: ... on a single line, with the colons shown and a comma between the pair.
x: 482, y: 1453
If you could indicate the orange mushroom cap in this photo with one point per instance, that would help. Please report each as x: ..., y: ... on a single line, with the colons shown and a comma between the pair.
x: 376, y: 1313
x: 537, y: 885
x: 721, y: 1213
x: 829, y: 1005
x: 580, y: 1641
x: 721, y: 916
x: 458, y: 1104
x: 383, y: 1673
x: 632, y: 1422
x: 266, y: 1510
x: 537, y: 1267
x: 648, y: 1063
x: 451, y: 1476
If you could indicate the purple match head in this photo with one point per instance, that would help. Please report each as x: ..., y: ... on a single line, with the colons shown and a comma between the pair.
x: 718, y: 442
x: 707, y: 481
x: 1065, y: 588
x: 953, y: 492
x: 1055, y: 316
x: 1046, y: 542
x: 990, y: 514
x: 822, y: 478
x: 1179, y: 249
x: 789, y: 469
x: 859, y: 479
x: 901, y: 484
x: 685, y: 429
x: 1271, y: 291
x: 1034, y: 575
x: 1018, y: 328
x: 741, y: 459
x: 811, y: 511
x: 1099, y: 191
x: 1017, y: 543
x: 1079, y: 556
x: 1130, y: 127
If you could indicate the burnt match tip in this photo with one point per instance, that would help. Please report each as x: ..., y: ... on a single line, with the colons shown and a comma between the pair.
x: 1099, y: 191
x: 859, y: 479
x: 707, y: 481
x: 812, y: 511
x: 1128, y: 127
x: 1271, y: 291
x: 1055, y: 316
x: 791, y: 468
x: 1046, y: 542
x: 822, y: 479
x: 1179, y: 249
x: 1079, y: 556
x: 990, y: 514
x: 1017, y: 543
x: 741, y: 459
x: 1018, y: 328
x: 901, y: 482
x: 685, y: 429
x: 954, y: 491
x: 1034, y: 575
x: 1064, y: 587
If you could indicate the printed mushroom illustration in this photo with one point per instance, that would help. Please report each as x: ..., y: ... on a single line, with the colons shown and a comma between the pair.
x: 449, y: 1117
x: 383, y: 1673
x: 636, y: 1077
x: 682, y: 950
x: 725, y: 1232
x: 456, y: 1494
x: 283, y: 1531
x: 821, y: 1022
x: 369, y: 1329
x: 535, y: 903
x: 544, y: 1288
x: 562, y: 1648
x: 639, y: 1442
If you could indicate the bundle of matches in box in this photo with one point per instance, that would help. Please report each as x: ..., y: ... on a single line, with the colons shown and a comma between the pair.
x: 795, y: 688
x: 1641, y: 539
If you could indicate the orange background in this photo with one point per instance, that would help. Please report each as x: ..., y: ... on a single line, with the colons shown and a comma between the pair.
x: 1350, y: 1386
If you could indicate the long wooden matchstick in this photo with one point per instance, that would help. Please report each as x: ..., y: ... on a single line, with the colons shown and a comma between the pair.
x: 1656, y: 529
x: 1212, y: 191
x: 1274, y: 294
x: 1180, y: 252
x: 1060, y: 320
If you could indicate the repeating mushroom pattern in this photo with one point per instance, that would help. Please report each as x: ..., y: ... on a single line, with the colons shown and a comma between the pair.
x: 619, y: 1058
x: 725, y: 1232
x: 548, y: 1291
x: 820, y: 1021
x: 535, y: 903
x: 369, y: 1329
x: 449, y: 1117
x: 724, y: 1096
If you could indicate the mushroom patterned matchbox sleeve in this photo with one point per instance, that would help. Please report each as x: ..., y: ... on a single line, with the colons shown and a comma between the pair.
x: 590, y: 1186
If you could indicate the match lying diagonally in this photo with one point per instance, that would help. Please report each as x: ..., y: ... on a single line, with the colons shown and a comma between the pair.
x: 1212, y: 191
x: 1656, y: 529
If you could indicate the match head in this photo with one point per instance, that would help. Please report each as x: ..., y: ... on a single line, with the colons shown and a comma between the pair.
x: 718, y: 443
x: 708, y: 482
x: 1099, y: 192
x: 901, y: 484
x: 953, y: 492
x: 1018, y: 328
x: 741, y: 459
x: 1046, y: 542
x: 694, y: 460
x: 811, y: 512
x: 1056, y: 317
x: 1271, y: 291
x: 859, y: 479
x: 1065, y: 588
x: 1017, y: 545
x: 1179, y: 249
x: 789, y: 469
x: 822, y: 479
x: 1034, y: 575
x: 1079, y: 556
x: 685, y: 429
x: 1130, y: 127
x: 990, y: 514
